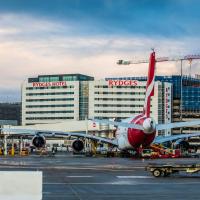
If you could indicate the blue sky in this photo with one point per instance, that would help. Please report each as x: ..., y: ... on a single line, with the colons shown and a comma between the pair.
x: 166, y: 18
x: 88, y: 36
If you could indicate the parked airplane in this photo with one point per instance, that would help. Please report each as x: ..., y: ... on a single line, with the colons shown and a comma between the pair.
x: 131, y: 133
x: 141, y: 129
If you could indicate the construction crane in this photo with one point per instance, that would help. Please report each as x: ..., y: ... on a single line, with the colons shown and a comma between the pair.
x: 161, y: 59
x: 189, y: 58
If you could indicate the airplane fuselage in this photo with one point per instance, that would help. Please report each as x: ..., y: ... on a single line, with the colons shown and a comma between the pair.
x: 130, y: 138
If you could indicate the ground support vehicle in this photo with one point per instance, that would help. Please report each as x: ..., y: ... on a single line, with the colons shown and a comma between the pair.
x: 24, y: 152
x: 159, y: 170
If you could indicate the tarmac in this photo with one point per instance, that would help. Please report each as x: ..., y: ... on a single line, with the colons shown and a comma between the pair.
x: 66, y: 176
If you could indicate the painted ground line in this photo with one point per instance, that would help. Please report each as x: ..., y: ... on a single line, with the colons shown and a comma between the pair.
x: 134, y: 177
x: 79, y: 176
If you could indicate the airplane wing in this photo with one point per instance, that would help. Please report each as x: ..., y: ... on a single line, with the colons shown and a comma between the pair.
x: 158, y: 126
x: 162, y: 139
x: 177, y: 125
x: 123, y: 124
x: 54, y: 134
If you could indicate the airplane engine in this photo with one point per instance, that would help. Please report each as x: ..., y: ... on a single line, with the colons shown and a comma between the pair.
x: 78, y: 145
x: 149, y: 126
x: 38, y: 141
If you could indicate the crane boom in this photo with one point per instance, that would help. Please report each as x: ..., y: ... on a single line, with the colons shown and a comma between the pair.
x: 161, y: 59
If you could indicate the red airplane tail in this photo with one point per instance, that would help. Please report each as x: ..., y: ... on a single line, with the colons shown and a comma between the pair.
x: 150, y: 85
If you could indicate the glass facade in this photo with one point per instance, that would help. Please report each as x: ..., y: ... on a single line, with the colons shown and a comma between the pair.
x: 61, y: 77
x: 83, y: 99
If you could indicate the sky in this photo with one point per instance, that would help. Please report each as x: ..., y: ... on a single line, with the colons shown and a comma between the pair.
x: 89, y: 36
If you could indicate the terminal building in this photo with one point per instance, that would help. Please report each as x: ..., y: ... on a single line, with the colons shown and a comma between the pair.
x: 57, y: 98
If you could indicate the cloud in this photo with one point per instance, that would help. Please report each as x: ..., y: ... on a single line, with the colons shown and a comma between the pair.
x: 30, y: 46
x: 171, y: 18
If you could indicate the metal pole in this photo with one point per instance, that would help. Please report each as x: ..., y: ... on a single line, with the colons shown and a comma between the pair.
x: 21, y: 145
x: 13, y: 148
x: 86, y: 133
x: 5, y: 145
x: 190, y: 62
x: 181, y: 117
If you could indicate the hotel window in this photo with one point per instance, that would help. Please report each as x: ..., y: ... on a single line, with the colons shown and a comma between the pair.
x: 44, y: 79
x: 70, y: 78
x: 54, y: 78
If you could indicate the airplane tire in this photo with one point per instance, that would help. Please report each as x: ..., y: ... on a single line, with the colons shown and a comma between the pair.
x: 157, y: 173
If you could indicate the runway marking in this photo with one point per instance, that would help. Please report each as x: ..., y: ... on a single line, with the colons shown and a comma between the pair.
x: 79, y: 176
x: 55, y: 183
x: 134, y: 177
x: 89, y: 183
x: 120, y: 183
x: 72, y: 168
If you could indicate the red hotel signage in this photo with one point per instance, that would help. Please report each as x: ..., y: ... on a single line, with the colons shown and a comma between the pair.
x: 123, y: 82
x: 49, y: 84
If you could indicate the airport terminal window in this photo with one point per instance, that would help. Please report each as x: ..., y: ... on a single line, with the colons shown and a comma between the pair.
x: 43, y: 118
x: 53, y: 87
x: 117, y: 105
x: 119, y: 99
x: 101, y: 86
x: 70, y: 78
x: 48, y: 93
x: 36, y: 100
x: 49, y: 106
x: 129, y: 93
x: 54, y: 78
x: 129, y: 87
x: 115, y: 111
x: 44, y: 79
x: 50, y: 112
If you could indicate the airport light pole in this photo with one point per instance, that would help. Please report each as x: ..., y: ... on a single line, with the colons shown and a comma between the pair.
x: 5, y: 145
x: 86, y: 133
x: 181, y: 117
x: 21, y: 145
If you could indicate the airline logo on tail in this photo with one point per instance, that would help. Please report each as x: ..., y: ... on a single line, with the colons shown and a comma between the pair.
x: 150, y: 85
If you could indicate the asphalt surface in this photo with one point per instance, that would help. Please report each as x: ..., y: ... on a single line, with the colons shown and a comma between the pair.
x: 76, y: 177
